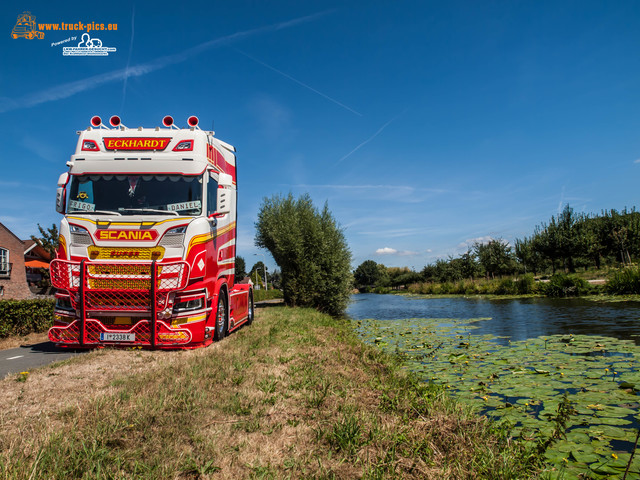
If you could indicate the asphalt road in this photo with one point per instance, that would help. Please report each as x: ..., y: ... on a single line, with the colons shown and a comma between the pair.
x: 24, y: 359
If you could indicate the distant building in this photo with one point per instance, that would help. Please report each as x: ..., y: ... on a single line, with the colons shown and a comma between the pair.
x: 13, y: 276
x: 36, y: 259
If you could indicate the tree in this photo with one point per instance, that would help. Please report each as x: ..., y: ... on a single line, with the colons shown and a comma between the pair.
x: 367, y: 274
x: 495, y: 257
x: 48, y: 239
x: 275, y: 279
x: 241, y: 268
x: 310, y: 248
x: 259, y: 269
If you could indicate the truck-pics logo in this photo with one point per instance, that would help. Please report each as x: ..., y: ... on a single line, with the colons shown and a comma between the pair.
x: 26, y: 27
x: 88, y: 46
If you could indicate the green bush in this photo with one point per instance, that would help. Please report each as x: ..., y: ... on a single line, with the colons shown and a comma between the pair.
x: 311, y: 250
x: 562, y: 285
x: 506, y: 286
x: 21, y: 317
x: 382, y: 290
x: 624, y: 282
x: 526, y: 284
x: 260, y: 295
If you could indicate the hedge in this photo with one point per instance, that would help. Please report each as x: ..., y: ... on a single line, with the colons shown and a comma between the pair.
x: 21, y: 317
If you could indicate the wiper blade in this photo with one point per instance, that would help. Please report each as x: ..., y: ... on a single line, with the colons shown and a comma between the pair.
x: 150, y: 210
x: 106, y: 212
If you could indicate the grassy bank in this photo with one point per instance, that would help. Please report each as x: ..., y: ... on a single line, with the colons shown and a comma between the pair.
x: 295, y: 395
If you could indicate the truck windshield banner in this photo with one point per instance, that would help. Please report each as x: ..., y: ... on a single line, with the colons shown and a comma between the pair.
x: 137, y: 143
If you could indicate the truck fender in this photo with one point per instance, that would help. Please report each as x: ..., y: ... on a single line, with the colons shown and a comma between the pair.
x: 221, y: 286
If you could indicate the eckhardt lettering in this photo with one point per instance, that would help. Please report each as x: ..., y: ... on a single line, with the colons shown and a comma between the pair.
x: 137, y: 143
x: 127, y: 235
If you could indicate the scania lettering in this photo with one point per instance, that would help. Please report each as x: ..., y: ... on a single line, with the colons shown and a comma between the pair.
x: 148, y: 240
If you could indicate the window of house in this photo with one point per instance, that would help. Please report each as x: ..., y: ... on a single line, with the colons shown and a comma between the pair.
x: 5, y: 268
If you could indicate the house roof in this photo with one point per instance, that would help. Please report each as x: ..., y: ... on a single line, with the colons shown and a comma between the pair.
x: 28, y: 245
x: 16, y: 237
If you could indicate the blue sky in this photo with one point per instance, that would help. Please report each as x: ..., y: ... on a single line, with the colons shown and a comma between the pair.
x: 425, y: 125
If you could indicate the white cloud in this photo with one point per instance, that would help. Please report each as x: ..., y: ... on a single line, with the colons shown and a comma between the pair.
x: 407, y: 253
x: 636, y: 161
x: 469, y: 242
x: 393, y: 251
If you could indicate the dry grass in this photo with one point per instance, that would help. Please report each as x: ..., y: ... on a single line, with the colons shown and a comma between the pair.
x: 23, y: 341
x: 292, y: 396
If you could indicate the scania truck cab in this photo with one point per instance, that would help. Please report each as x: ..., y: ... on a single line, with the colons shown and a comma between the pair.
x: 147, y: 244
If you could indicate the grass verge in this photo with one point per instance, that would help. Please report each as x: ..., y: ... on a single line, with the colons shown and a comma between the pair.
x: 295, y: 395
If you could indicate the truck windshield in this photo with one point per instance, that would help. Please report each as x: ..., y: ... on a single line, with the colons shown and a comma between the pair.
x: 136, y: 194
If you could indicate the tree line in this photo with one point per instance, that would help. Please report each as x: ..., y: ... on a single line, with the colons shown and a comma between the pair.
x: 568, y: 241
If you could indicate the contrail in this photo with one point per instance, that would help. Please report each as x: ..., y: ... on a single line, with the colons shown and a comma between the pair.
x: 561, y: 201
x: 69, y: 89
x: 371, y: 137
x: 124, y: 85
x: 298, y: 82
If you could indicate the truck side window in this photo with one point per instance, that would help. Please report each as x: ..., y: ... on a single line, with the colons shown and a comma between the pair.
x: 212, y: 195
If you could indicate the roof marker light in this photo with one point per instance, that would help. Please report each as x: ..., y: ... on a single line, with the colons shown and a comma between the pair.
x: 184, y: 146
x: 115, y: 121
x: 167, y: 121
x: 192, y: 121
x: 96, y: 121
x: 89, y: 146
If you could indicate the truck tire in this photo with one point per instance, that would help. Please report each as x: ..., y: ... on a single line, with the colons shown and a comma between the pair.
x: 251, y: 307
x: 221, y: 318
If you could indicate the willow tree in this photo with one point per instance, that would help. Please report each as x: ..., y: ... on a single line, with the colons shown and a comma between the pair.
x: 310, y: 248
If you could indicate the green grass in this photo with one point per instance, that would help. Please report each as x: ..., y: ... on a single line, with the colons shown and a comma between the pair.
x: 313, y: 402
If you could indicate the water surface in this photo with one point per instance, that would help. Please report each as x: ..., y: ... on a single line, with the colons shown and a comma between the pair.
x: 513, y: 319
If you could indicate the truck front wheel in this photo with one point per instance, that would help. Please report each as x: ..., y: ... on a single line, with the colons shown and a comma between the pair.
x: 221, y: 318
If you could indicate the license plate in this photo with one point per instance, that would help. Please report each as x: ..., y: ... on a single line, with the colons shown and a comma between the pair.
x: 117, y: 337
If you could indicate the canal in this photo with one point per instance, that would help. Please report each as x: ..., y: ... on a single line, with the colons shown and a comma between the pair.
x: 509, y: 319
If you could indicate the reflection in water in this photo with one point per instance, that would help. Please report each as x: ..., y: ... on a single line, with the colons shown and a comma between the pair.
x: 518, y: 319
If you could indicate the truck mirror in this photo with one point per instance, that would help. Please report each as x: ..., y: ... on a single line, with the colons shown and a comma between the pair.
x: 223, y: 201
x: 63, y: 179
x: 225, y: 180
x: 60, y: 197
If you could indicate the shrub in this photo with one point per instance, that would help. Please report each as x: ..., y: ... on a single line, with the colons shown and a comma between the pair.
x: 382, y: 290
x: 562, y: 285
x: 526, y: 284
x: 506, y: 286
x: 311, y: 250
x: 21, y: 317
x: 624, y: 282
x: 260, y: 295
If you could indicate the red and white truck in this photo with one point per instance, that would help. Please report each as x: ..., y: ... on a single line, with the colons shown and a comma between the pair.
x: 148, y: 242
